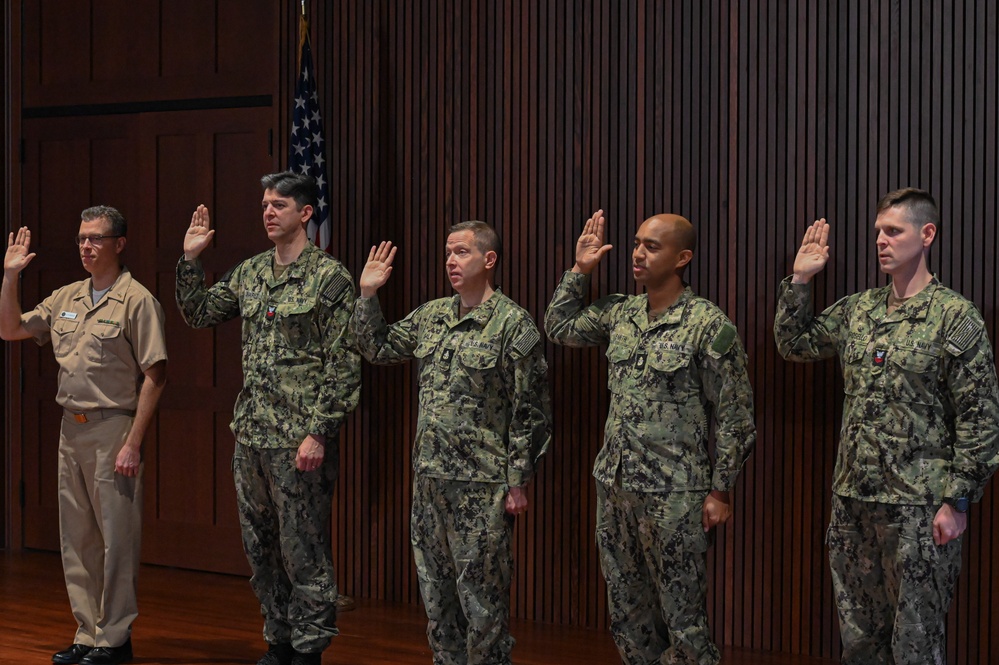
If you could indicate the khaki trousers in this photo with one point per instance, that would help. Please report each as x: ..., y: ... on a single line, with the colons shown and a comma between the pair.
x: 100, y: 529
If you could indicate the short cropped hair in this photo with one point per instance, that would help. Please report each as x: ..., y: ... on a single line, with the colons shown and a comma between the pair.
x: 303, y: 188
x: 688, y: 238
x: 117, y: 221
x: 486, y: 238
x: 920, y: 208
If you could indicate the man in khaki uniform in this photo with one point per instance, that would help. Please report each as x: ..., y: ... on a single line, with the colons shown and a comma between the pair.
x: 107, y: 333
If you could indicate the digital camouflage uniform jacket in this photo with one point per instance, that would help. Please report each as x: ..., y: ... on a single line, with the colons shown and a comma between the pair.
x: 665, y: 378
x: 920, y: 411
x: 485, y: 411
x: 301, y: 374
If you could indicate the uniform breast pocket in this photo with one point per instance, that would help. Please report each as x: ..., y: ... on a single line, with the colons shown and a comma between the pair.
x: 855, y: 375
x: 106, y: 343
x: 914, y: 375
x: 618, y: 366
x: 249, y: 311
x: 63, y: 334
x: 669, y: 377
x: 425, y: 348
x: 478, y: 366
x: 295, y: 325
x: 426, y: 351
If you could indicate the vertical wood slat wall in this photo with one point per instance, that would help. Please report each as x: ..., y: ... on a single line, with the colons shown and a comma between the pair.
x: 750, y: 118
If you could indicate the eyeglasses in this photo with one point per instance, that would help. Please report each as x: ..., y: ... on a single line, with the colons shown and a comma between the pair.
x: 95, y: 241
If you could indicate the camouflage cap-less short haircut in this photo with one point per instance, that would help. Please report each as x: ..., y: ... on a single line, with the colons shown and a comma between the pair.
x: 117, y: 221
x: 920, y: 208
x: 303, y: 188
x: 486, y: 238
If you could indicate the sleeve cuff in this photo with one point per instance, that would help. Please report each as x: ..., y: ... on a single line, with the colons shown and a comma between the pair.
x: 324, y: 426
x: 722, y: 484
x: 516, y: 478
x: 957, y: 489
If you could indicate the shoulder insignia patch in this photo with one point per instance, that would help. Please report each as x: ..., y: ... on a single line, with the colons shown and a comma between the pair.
x: 724, y: 339
x: 526, y: 341
x: 335, y: 290
x: 964, y: 335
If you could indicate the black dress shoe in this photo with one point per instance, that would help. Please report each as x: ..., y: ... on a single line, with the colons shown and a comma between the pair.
x: 109, y: 655
x: 278, y: 654
x: 307, y: 658
x: 71, y: 655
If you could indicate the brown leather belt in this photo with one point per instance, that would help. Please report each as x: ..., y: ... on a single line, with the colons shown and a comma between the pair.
x: 96, y: 414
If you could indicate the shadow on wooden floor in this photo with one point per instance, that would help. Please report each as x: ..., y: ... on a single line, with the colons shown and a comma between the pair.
x: 192, y: 618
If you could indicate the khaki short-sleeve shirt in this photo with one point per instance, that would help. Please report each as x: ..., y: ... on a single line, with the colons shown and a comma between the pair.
x: 102, y: 350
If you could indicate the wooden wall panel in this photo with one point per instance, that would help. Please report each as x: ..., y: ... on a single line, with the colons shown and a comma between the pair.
x: 101, y: 52
x: 750, y: 118
x: 151, y: 107
x: 7, y: 479
x: 155, y: 168
x: 215, y: 158
x: 67, y: 169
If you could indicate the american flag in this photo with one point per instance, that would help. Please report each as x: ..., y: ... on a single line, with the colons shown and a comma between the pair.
x: 307, y: 146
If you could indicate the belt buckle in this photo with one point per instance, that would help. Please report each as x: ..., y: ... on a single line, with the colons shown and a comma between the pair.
x: 80, y: 417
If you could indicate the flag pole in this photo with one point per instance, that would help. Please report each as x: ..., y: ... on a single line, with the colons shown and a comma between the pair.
x: 303, y: 33
x: 306, y: 153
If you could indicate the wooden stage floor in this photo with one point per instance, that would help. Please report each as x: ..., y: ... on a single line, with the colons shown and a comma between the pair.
x: 192, y: 618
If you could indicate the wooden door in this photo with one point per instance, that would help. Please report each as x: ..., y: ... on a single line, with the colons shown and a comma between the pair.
x: 156, y: 168
x: 66, y: 169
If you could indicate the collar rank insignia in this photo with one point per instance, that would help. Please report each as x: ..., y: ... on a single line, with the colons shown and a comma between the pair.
x: 446, y: 356
x: 879, y: 357
x: 270, y: 312
x: 641, y: 361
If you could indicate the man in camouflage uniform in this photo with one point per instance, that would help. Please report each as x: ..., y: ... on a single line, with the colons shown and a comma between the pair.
x: 485, y: 420
x: 301, y: 378
x: 919, y: 438
x: 673, y: 359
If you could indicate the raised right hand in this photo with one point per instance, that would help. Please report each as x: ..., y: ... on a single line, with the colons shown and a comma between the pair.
x: 18, y: 257
x: 590, y: 247
x: 814, y: 252
x: 199, y: 233
x: 378, y: 268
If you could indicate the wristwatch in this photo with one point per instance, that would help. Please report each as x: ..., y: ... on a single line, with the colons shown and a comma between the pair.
x: 960, y: 504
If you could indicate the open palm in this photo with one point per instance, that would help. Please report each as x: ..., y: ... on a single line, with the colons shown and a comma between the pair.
x: 378, y: 268
x: 590, y: 247
x: 814, y: 251
x: 18, y: 257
